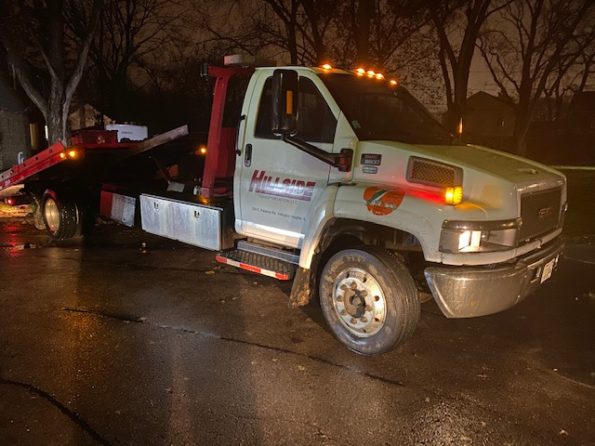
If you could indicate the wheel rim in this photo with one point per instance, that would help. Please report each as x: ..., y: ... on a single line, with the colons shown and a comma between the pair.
x: 359, y: 302
x: 51, y: 214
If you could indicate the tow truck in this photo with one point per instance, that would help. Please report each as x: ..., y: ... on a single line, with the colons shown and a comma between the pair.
x: 338, y: 180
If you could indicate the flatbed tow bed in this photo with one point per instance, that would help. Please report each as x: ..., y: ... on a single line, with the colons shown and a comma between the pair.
x: 66, y: 182
x: 64, y: 162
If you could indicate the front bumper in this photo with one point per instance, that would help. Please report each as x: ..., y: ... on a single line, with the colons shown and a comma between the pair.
x: 476, y: 291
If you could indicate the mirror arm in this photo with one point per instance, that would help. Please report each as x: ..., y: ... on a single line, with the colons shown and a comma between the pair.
x: 342, y: 161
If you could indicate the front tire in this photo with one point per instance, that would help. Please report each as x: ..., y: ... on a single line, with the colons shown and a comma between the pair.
x: 369, y: 300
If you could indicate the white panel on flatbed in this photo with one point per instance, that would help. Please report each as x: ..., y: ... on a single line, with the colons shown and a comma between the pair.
x: 118, y: 207
x: 190, y: 223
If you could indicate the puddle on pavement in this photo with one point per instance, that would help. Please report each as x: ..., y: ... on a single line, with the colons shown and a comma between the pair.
x: 18, y: 246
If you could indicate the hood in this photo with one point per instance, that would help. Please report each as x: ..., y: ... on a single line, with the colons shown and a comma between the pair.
x: 503, y: 165
x: 489, y: 176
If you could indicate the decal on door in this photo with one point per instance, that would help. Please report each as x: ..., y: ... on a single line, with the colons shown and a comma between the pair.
x: 382, y: 201
x: 262, y: 183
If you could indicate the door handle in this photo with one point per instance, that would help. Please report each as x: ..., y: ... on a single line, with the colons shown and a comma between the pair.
x: 238, y: 150
x: 248, y: 155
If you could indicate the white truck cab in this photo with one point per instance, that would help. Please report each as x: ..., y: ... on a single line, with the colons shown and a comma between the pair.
x: 345, y: 184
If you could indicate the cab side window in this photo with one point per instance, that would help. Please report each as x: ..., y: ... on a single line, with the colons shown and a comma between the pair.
x: 316, y: 122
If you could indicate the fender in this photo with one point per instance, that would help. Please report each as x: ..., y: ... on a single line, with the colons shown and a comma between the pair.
x: 321, y: 213
x: 392, y: 207
x: 358, y: 202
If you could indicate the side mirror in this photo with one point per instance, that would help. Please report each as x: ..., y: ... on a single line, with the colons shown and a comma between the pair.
x: 285, y: 102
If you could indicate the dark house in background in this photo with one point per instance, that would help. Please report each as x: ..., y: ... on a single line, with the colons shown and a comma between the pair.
x: 488, y: 120
x: 568, y: 141
x: 14, y: 126
x: 581, y: 113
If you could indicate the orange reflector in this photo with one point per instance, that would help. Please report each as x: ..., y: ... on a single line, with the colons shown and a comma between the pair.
x: 289, y: 102
x: 453, y: 195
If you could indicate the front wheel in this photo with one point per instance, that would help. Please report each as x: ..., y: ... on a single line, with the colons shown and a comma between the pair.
x: 368, y: 299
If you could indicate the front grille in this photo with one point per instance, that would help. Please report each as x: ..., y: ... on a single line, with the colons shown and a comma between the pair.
x: 433, y: 173
x: 540, y: 213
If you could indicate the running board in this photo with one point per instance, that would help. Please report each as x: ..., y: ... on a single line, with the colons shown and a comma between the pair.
x: 269, y: 251
x: 257, y: 263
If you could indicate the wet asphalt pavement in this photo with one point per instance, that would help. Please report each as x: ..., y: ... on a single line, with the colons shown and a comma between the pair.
x: 106, y: 343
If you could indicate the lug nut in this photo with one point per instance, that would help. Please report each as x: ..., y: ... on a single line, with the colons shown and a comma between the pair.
x: 364, y: 319
x: 343, y: 313
x: 353, y: 320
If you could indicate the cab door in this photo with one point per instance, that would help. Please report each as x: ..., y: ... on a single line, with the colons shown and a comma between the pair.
x: 279, y: 182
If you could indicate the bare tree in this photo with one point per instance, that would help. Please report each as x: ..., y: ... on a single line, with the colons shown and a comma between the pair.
x: 300, y: 29
x: 34, y: 36
x: 128, y: 34
x: 532, y: 47
x: 377, y: 30
x: 458, y: 24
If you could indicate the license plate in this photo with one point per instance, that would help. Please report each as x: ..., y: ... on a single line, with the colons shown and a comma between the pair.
x: 547, y: 270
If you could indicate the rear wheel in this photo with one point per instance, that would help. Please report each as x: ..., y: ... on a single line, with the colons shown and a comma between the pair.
x: 368, y: 299
x: 61, y: 215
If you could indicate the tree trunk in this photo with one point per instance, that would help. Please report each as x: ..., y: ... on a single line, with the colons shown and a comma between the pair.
x: 365, y: 10
x: 521, y: 128
x: 292, y: 44
x: 56, y: 122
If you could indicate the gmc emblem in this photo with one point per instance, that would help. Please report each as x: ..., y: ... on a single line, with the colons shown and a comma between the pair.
x: 544, y: 212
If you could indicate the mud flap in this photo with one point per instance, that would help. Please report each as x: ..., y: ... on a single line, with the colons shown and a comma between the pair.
x: 302, y: 288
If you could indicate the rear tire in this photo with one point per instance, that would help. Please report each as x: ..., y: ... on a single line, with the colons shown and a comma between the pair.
x: 61, y: 215
x: 369, y: 300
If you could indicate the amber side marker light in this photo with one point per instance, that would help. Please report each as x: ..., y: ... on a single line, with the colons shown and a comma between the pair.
x: 326, y: 66
x: 202, y: 150
x: 73, y: 154
x: 360, y: 71
x: 62, y: 155
x: 453, y: 195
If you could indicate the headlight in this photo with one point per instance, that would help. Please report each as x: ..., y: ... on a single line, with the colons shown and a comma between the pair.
x: 478, y: 236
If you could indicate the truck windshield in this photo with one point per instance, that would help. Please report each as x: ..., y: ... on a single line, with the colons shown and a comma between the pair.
x: 379, y: 112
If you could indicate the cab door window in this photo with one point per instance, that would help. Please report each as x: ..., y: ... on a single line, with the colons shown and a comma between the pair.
x: 316, y: 122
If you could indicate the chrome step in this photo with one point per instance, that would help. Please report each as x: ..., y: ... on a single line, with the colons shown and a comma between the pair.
x: 269, y: 251
x: 257, y: 263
